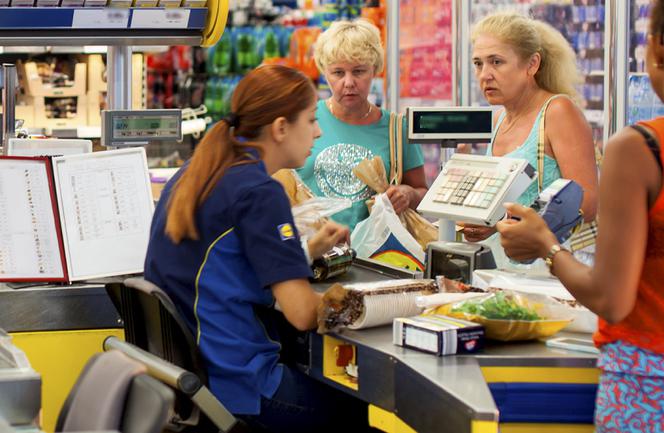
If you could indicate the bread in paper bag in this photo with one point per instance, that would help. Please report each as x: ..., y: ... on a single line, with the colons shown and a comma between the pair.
x: 372, y: 173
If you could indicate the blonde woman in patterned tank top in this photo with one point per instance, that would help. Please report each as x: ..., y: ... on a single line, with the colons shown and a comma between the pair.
x: 529, y: 68
x: 626, y: 285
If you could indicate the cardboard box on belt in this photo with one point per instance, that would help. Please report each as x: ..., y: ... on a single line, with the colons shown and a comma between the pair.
x: 437, y: 334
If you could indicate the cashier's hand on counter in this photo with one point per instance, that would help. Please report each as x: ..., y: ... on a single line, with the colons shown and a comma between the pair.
x: 475, y: 233
x: 527, y: 238
x: 327, y: 237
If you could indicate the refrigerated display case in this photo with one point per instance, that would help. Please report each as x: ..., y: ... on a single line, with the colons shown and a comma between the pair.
x: 582, y: 23
x: 642, y: 102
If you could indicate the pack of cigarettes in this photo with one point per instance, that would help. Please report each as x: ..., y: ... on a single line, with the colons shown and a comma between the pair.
x: 145, y: 3
x: 437, y: 334
x: 22, y: 3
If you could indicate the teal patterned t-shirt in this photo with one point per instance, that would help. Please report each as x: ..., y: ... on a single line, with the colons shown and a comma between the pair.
x: 328, y: 172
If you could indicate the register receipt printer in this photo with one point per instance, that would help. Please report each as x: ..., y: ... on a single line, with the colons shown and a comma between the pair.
x: 457, y: 260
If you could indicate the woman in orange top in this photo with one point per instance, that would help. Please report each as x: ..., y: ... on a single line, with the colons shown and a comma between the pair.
x: 626, y: 286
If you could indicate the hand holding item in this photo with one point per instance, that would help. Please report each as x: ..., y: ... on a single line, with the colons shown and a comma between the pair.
x: 476, y: 233
x: 400, y: 196
x: 328, y: 236
x: 527, y: 238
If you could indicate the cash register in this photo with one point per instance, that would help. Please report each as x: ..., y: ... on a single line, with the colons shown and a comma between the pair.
x: 469, y: 188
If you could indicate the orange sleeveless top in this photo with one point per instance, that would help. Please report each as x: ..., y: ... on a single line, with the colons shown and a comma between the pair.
x: 644, y: 326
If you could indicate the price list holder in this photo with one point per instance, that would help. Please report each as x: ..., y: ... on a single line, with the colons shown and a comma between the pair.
x: 31, y: 244
x: 74, y: 218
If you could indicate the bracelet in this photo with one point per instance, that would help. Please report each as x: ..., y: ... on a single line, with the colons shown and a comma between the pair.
x: 555, y: 249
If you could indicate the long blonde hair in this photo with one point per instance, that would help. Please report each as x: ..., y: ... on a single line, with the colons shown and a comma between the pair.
x: 558, y: 72
x: 263, y: 95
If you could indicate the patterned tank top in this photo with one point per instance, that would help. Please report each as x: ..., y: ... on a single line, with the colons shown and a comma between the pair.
x: 528, y: 151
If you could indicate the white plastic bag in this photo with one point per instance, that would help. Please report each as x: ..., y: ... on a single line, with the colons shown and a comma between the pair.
x: 383, y: 237
x: 308, y: 214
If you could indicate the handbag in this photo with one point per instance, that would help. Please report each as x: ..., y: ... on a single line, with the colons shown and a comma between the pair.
x: 585, y: 234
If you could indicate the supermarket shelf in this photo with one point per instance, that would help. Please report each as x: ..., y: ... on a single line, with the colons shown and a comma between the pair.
x: 77, y: 49
x: 101, y: 26
x: 594, y: 116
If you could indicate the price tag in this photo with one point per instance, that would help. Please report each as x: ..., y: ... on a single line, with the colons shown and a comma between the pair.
x: 100, y: 18
x: 160, y: 19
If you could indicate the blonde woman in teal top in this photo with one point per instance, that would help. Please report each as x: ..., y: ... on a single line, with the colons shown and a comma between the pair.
x: 528, y: 68
x: 349, y: 54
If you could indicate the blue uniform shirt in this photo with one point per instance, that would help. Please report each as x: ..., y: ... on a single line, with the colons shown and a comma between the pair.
x: 248, y: 242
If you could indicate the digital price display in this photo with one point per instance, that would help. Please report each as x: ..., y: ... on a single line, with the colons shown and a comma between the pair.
x: 140, y: 127
x: 462, y: 124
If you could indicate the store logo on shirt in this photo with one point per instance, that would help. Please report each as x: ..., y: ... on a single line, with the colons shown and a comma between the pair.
x: 286, y: 232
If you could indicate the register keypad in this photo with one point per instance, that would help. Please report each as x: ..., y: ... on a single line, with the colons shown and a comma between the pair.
x: 469, y: 187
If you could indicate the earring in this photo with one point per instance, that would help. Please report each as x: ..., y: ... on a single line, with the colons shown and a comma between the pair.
x: 658, y: 65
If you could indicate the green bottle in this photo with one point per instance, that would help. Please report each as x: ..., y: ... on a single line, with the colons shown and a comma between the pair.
x: 271, y: 49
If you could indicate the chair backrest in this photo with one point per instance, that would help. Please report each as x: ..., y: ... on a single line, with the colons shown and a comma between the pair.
x: 152, y: 323
x: 111, y: 387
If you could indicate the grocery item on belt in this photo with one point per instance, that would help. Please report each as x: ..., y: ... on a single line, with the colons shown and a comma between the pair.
x: 511, y: 316
x: 363, y: 305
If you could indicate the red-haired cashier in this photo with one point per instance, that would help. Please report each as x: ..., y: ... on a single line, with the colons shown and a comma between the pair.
x: 248, y: 242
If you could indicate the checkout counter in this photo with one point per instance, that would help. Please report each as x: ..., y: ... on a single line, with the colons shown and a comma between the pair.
x: 515, y: 387
x: 534, y: 388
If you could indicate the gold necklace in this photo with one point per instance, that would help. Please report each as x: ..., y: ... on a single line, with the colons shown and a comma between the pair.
x: 505, y: 127
x: 329, y: 106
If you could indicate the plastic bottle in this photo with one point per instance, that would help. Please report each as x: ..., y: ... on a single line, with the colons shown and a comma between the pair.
x: 271, y: 49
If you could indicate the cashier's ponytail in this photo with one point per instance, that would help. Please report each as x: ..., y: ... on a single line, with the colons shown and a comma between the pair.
x: 265, y: 94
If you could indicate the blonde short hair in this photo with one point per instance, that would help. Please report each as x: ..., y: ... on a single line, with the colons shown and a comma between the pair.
x: 350, y: 41
x: 558, y: 72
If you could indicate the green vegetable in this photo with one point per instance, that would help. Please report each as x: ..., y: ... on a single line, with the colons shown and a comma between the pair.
x: 498, y: 307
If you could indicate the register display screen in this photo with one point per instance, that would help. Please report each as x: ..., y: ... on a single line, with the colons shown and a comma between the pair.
x: 451, y: 122
x: 145, y: 126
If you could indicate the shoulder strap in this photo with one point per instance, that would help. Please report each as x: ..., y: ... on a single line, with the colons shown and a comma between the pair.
x: 652, y: 143
x: 540, y: 144
x: 396, y: 148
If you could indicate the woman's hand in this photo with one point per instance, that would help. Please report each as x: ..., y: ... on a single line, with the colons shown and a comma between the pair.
x: 475, y: 233
x: 529, y: 238
x: 328, y: 236
x: 400, y: 196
